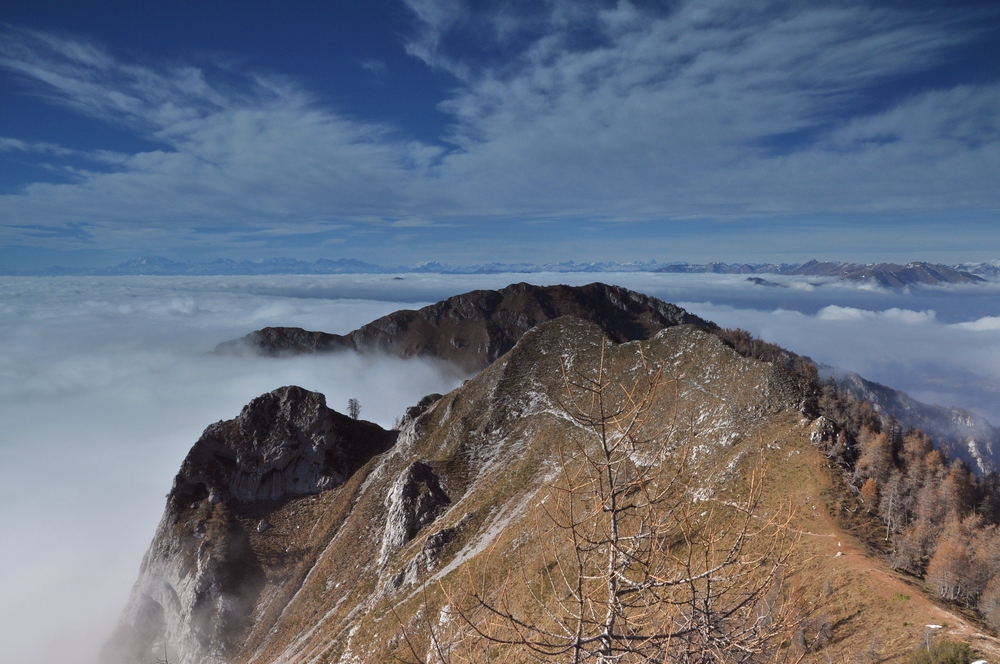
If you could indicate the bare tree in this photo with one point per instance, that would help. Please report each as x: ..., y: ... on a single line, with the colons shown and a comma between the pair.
x: 630, y: 558
x: 353, y: 408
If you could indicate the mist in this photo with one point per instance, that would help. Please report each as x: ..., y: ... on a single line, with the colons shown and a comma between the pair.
x: 106, y: 385
x: 107, y: 382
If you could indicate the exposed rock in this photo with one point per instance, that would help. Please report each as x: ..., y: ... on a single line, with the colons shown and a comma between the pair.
x: 473, y: 329
x: 201, y: 578
x: 413, y: 412
x: 284, y: 443
x: 424, y: 562
x: 415, y: 499
x: 196, y: 590
x: 758, y: 281
x: 821, y: 431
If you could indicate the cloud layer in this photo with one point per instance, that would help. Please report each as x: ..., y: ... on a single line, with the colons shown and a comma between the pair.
x: 567, y: 110
x: 107, y: 383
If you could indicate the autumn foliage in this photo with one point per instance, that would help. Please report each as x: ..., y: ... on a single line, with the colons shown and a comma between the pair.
x: 940, y: 520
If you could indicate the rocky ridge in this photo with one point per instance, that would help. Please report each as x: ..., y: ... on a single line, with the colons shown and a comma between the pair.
x: 291, y: 529
x: 473, y: 329
x: 349, y: 518
x: 202, y: 574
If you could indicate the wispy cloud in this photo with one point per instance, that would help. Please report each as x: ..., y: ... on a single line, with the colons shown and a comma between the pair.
x: 239, y: 148
x: 561, y: 110
x: 713, y: 110
x: 378, y: 69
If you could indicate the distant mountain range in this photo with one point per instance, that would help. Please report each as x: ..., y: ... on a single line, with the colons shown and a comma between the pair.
x: 887, y: 275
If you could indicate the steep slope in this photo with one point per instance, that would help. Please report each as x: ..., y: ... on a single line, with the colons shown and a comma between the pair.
x: 473, y: 329
x: 294, y: 535
x: 205, y: 570
x: 960, y: 433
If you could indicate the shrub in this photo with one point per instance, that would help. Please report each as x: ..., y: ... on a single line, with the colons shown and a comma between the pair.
x: 943, y: 652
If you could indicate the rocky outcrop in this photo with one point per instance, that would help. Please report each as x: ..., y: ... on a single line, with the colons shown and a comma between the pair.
x: 472, y: 330
x: 201, y: 579
x: 415, y: 499
x: 197, y: 587
x: 284, y: 443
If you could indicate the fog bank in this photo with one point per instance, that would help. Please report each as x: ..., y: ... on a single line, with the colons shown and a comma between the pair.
x: 107, y: 382
x: 106, y: 385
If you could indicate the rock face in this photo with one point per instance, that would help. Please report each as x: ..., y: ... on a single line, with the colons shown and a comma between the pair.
x: 415, y: 499
x: 284, y: 443
x: 474, y: 329
x: 202, y: 576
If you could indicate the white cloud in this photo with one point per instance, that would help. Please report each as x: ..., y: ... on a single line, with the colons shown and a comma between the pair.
x: 247, y: 152
x: 984, y: 324
x: 670, y: 115
x: 949, y: 362
x: 906, y: 316
x: 706, y: 110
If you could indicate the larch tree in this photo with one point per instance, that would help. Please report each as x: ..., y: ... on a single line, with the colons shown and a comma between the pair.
x: 629, y: 560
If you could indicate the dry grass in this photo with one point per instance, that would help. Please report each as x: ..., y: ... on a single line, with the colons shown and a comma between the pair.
x: 493, y: 443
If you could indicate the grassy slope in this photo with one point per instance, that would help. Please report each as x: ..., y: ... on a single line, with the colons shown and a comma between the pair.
x: 492, y: 442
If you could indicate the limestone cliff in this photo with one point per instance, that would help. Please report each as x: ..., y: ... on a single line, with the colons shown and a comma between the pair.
x: 201, y: 579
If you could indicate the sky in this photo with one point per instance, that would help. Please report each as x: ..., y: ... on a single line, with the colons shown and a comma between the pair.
x: 402, y: 131
x: 107, y: 382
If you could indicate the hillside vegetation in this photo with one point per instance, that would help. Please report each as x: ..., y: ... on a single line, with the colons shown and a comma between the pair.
x: 691, y: 495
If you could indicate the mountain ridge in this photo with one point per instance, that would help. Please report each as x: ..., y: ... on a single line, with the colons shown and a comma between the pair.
x: 885, y: 275
x: 343, y: 572
x: 473, y: 329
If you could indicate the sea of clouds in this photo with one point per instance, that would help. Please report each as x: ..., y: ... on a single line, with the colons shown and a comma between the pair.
x: 107, y: 382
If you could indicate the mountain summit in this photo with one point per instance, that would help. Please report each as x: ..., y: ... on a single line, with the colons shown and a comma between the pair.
x: 631, y: 466
x: 472, y: 330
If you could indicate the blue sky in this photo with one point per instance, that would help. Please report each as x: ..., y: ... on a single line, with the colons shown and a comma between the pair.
x: 417, y: 130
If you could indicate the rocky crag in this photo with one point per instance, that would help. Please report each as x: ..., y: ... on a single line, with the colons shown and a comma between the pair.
x: 472, y: 330
x: 203, y: 575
